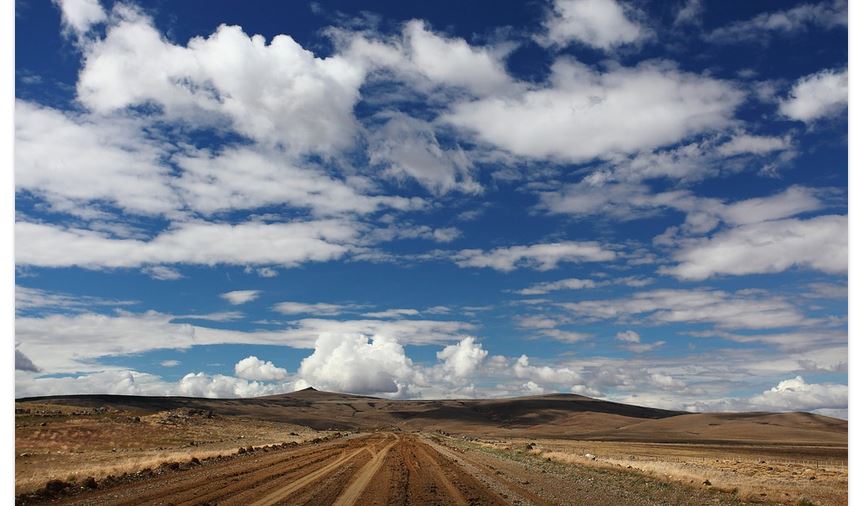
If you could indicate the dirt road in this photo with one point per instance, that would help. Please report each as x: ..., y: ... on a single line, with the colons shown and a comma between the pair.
x: 386, y: 468
x: 383, y: 468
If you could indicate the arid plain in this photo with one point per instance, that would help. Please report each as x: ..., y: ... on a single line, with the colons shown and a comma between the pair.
x: 313, y: 447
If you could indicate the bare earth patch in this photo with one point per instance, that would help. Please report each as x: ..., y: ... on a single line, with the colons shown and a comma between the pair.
x: 71, y: 443
x: 383, y: 468
x: 554, y: 449
x: 754, y: 473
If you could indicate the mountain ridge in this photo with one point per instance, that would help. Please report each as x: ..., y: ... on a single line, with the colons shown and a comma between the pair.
x: 548, y: 415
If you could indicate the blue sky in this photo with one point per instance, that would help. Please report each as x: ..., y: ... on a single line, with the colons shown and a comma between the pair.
x: 638, y: 201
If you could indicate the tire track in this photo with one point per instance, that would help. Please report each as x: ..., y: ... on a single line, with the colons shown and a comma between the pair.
x: 289, y: 468
x: 512, y: 487
x: 462, y: 487
x: 293, y: 486
x: 383, y: 468
x: 455, y: 493
x: 212, y: 481
x: 350, y: 496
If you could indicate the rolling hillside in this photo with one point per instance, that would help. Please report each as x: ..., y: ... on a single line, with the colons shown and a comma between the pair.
x: 555, y: 415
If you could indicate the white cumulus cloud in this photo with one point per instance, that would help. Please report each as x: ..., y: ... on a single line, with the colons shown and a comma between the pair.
x: 462, y: 359
x: 562, y: 377
x: 602, y: 24
x: 773, y: 246
x: 796, y: 394
x: 357, y: 364
x: 252, y: 368
x: 585, y: 114
x: 275, y: 92
x: 427, y: 60
x: 220, y: 386
x: 819, y: 95
x: 70, y: 159
x: 80, y: 15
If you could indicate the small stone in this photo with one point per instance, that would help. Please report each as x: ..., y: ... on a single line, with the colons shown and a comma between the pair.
x: 55, y: 486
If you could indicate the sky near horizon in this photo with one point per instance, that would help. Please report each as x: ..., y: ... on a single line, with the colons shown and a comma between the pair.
x: 638, y: 201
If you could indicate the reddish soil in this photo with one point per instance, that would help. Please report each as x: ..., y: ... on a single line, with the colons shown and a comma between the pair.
x: 384, y: 468
x: 381, y: 468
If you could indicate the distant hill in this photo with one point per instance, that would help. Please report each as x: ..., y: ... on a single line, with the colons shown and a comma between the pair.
x: 554, y: 415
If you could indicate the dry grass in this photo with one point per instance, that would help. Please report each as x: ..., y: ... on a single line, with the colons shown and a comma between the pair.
x: 128, y: 465
x: 776, y: 478
x: 76, y: 443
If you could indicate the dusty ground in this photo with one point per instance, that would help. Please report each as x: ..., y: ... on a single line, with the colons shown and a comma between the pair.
x: 752, y: 473
x: 574, y: 450
x: 776, y: 472
x: 70, y: 443
x: 392, y: 468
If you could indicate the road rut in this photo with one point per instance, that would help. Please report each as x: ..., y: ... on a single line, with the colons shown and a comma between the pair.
x: 367, y: 469
x: 388, y: 468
